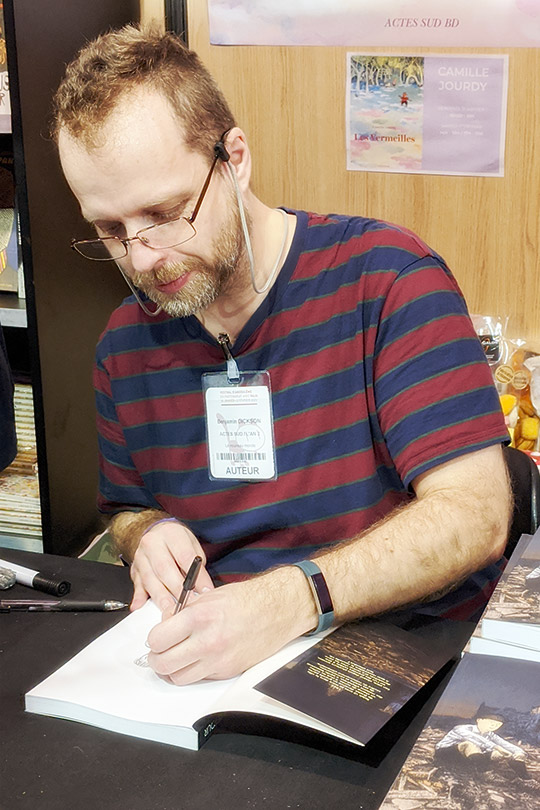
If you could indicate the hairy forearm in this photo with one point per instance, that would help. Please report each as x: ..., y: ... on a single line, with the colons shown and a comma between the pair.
x: 420, y: 551
x: 127, y: 528
x: 414, y: 555
x: 457, y: 525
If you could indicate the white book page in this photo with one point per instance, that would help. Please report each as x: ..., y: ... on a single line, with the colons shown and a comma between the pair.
x: 486, y: 646
x: 104, y: 678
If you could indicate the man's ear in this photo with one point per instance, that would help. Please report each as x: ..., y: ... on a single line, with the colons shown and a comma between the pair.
x: 239, y: 156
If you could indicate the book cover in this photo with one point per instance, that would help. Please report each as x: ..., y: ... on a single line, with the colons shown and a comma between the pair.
x: 5, y: 102
x: 513, y: 612
x: 358, y: 677
x: 480, y: 749
x: 487, y: 646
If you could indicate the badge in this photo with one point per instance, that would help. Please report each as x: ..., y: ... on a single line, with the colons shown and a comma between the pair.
x: 240, y: 426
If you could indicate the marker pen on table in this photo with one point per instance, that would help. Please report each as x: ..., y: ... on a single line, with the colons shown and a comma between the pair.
x: 7, y: 605
x: 33, y: 579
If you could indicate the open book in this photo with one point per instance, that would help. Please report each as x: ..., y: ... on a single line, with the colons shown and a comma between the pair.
x: 103, y: 686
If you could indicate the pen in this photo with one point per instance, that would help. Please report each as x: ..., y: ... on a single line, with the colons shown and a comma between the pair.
x: 33, y: 579
x: 49, y: 605
x: 189, y: 583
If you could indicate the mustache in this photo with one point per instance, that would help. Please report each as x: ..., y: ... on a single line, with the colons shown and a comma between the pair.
x: 169, y: 272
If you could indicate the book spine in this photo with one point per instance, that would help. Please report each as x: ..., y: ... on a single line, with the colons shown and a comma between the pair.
x: 205, y: 728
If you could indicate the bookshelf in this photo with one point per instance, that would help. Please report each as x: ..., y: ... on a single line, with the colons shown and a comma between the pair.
x: 66, y: 306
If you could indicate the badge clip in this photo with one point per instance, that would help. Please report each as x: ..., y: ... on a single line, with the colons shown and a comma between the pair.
x: 233, y: 373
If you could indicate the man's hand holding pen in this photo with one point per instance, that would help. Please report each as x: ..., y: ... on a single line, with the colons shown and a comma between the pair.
x: 221, y: 631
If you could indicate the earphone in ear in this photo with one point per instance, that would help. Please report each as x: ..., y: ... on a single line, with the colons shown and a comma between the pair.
x: 220, y: 150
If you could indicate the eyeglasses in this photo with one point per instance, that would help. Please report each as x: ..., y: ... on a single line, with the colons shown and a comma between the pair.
x: 162, y: 235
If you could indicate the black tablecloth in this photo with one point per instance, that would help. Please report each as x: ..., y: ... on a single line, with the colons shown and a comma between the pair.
x: 49, y: 763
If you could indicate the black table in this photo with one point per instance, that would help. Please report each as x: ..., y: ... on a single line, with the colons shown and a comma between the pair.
x: 48, y: 763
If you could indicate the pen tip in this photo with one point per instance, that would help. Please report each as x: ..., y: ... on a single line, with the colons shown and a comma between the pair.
x: 112, y: 604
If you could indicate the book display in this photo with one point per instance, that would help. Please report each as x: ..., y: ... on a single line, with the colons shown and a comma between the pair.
x: 20, y: 513
x: 513, y: 613
x: 481, y: 746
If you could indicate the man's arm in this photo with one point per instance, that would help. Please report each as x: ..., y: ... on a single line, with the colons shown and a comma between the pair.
x: 457, y: 525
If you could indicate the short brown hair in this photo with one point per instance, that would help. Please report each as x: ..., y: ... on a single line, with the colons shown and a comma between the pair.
x: 118, y: 62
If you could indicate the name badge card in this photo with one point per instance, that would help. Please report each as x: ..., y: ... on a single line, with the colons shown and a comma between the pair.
x: 240, y: 427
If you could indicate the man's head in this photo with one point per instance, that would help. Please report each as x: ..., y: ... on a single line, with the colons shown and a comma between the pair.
x: 107, y: 71
x: 136, y: 120
x: 489, y: 721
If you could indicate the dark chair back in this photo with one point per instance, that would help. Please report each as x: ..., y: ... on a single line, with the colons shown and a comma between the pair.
x: 525, y: 481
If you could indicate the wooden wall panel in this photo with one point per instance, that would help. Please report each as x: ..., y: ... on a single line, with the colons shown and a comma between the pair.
x: 291, y: 104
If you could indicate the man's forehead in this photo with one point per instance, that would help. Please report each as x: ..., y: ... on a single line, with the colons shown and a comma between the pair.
x: 140, y: 115
x: 115, y: 184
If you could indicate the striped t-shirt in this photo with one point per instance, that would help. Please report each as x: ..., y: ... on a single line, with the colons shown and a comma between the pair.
x: 376, y: 373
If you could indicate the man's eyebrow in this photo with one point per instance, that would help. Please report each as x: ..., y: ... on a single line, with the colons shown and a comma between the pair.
x: 168, y: 203
x: 176, y: 201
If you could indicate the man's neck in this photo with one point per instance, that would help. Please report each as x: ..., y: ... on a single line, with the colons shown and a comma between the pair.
x: 271, y: 237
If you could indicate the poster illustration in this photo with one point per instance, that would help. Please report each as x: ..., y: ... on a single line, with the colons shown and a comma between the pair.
x: 376, y: 23
x: 436, y: 114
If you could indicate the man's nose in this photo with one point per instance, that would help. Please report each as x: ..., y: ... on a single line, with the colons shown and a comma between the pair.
x: 142, y: 258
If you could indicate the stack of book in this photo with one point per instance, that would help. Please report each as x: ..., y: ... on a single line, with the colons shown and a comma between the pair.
x: 481, y: 745
x: 20, y: 513
x: 510, y: 625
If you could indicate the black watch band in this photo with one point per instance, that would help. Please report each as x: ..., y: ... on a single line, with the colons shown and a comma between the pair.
x: 321, y: 594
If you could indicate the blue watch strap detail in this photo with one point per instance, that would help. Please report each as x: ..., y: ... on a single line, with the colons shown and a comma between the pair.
x: 321, y: 594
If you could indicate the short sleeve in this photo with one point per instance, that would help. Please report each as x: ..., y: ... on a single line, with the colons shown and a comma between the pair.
x: 433, y: 388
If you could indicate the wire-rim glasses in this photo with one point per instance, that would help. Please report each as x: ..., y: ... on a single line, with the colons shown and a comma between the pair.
x: 159, y: 236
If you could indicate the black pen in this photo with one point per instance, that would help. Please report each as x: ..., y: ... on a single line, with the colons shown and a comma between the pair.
x: 49, y: 605
x: 189, y: 583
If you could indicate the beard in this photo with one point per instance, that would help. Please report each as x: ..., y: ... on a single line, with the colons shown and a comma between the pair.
x: 209, y: 279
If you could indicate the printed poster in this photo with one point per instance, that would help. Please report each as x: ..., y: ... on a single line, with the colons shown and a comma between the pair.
x: 376, y: 23
x: 436, y: 114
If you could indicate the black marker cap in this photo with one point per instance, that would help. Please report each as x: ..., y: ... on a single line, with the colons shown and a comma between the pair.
x: 49, y: 585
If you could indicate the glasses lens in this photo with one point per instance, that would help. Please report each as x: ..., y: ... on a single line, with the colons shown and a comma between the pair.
x: 167, y: 234
x: 100, y: 250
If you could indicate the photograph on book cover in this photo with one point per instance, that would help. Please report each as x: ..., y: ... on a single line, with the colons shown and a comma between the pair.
x: 436, y: 114
x: 480, y: 749
x: 450, y: 23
